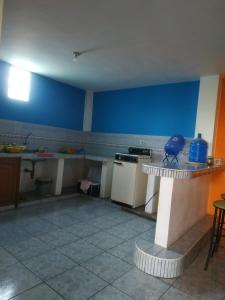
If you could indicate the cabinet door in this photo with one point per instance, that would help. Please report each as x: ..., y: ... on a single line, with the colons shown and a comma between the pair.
x: 123, y: 182
x: 9, y: 180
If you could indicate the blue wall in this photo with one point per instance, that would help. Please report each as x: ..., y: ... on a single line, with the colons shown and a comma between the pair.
x: 51, y: 102
x: 155, y: 110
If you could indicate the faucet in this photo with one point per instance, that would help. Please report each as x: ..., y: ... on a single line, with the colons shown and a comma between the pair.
x: 27, y: 138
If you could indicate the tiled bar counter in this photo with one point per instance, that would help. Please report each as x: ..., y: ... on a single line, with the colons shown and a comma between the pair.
x: 182, y: 225
x: 183, y: 198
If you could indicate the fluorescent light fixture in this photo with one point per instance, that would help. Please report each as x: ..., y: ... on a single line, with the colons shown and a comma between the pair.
x: 19, y: 84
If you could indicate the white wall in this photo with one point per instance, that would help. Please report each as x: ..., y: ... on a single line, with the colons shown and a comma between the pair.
x: 88, y: 107
x: 207, y: 103
x: 182, y: 203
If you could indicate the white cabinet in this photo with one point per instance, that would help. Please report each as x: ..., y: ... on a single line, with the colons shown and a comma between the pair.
x: 123, y: 182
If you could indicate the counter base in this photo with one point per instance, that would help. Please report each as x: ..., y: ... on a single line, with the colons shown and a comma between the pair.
x: 170, y: 263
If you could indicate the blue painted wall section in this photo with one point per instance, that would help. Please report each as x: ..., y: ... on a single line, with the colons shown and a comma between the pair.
x: 155, y: 110
x: 51, y: 102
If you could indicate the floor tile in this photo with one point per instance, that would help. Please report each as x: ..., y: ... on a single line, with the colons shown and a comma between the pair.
x: 80, y: 217
x: 28, y: 248
x: 107, y: 267
x: 16, y: 221
x: 49, y: 264
x: 82, y: 229
x: 174, y: 294
x: 77, y: 284
x: 141, y: 286
x: 216, y: 267
x: 141, y: 224
x: 104, y: 222
x: 10, y: 236
x: 40, y: 292
x: 16, y: 279
x: 6, y: 259
x: 148, y: 235
x: 123, y: 231
x: 169, y: 281
x: 61, y: 220
x: 52, y: 239
x: 57, y: 238
x: 80, y: 251
x: 104, y: 240
x: 200, y: 286
x: 124, y: 251
x: 110, y: 293
x: 122, y: 216
x: 40, y: 226
x: 102, y: 211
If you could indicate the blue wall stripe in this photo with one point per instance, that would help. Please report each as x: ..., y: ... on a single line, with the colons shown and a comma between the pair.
x: 51, y: 102
x: 155, y: 110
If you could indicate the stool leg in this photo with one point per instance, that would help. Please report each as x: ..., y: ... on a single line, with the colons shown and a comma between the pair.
x: 220, y: 230
x: 212, y: 239
x: 217, y: 232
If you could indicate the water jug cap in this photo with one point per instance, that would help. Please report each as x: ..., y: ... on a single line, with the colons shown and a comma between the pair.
x: 199, y: 135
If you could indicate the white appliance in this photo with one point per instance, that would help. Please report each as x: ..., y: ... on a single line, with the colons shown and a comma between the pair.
x: 129, y: 183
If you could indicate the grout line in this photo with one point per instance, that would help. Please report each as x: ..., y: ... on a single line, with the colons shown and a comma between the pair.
x: 21, y: 292
x: 37, y: 276
x: 189, y: 295
x: 36, y: 137
x: 57, y: 292
x: 112, y: 287
x: 80, y: 264
x: 164, y: 292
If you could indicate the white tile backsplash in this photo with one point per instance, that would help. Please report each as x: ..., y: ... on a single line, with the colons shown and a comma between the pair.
x: 106, y: 144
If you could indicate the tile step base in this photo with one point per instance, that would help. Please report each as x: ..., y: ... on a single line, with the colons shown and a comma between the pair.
x: 170, y: 263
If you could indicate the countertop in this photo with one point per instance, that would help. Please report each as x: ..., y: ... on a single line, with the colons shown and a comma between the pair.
x: 180, y: 171
x: 34, y: 156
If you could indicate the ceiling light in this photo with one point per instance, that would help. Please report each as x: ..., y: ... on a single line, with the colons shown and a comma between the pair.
x: 76, y: 54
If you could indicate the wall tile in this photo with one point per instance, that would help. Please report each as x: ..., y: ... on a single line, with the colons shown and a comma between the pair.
x: 106, y: 144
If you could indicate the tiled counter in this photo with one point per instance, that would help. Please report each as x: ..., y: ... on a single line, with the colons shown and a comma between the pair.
x: 182, y: 225
x: 180, y: 171
x: 182, y: 198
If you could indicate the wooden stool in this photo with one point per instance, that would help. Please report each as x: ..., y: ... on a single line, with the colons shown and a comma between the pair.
x: 218, y: 223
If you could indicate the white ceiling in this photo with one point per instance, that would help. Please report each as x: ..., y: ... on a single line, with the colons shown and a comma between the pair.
x: 126, y: 43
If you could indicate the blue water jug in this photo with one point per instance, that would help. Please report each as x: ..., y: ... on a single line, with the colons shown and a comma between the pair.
x: 174, y: 145
x: 198, y: 150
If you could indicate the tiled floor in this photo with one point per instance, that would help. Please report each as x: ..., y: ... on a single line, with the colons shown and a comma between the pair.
x: 82, y: 248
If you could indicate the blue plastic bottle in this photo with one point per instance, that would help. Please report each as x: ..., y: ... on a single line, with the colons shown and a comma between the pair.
x: 198, y: 150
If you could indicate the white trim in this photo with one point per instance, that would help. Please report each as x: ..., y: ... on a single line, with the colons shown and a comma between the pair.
x: 206, y: 113
x: 88, y: 110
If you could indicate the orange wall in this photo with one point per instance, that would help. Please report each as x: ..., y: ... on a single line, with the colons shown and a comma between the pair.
x: 218, y: 180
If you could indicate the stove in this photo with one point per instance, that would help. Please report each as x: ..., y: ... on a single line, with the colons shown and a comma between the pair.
x: 134, y: 155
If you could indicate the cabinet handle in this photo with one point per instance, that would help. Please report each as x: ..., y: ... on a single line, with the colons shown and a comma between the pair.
x: 118, y: 163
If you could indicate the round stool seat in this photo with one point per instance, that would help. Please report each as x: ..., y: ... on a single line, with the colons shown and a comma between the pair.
x: 219, y: 204
x: 223, y: 196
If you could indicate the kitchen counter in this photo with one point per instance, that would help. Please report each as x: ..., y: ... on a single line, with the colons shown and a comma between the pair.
x: 27, y: 155
x: 179, y: 171
x: 178, y: 194
x: 57, y: 167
